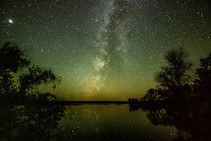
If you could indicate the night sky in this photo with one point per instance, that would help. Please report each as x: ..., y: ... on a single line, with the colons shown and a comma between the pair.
x: 105, y: 49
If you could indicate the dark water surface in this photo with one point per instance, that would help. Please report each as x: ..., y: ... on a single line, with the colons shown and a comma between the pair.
x: 111, y: 122
x: 98, y: 122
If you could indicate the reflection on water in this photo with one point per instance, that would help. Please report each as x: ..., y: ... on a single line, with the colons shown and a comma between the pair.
x: 101, y: 122
x: 191, y: 123
x: 31, y: 121
x: 110, y: 122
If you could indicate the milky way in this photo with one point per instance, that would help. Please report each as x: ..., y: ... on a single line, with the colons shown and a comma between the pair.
x: 105, y: 49
x: 111, y: 48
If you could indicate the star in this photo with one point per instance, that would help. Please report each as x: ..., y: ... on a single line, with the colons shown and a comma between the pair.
x: 107, y: 49
x: 10, y: 21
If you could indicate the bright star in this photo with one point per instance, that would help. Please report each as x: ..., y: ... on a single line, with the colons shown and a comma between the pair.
x: 10, y: 21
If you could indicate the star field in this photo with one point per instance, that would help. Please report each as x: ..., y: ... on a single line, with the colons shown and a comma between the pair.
x: 105, y: 49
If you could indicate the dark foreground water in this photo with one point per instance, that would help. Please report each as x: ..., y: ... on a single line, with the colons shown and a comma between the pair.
x: 59, y: 122
x: 111, y: 122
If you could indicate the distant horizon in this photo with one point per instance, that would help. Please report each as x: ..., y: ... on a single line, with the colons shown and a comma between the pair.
x: 98, y: 99
x: 94, y: 100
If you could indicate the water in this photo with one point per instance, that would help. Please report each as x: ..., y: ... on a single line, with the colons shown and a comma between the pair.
x: 111, y: 122
x: 55, y: 121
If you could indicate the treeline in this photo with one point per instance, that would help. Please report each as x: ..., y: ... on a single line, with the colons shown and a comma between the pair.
x: 182, y: 98
x: 177, y: 85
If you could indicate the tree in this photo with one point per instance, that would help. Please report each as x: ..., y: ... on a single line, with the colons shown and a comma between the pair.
x: 12, y: 58
x: 204, y: 73
x: 150, y: 95
x: 132, y: 100
x: 25, y: 113
x: 202, y: 84
x: 154, y: 95
x: 174, y: 75
x: 12, y: 61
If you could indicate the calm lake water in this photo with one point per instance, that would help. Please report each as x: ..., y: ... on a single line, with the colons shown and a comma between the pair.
x: 111, y: 122
x: 59, y: 122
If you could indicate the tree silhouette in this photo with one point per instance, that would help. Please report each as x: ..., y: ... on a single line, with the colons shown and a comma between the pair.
x: 203, y: 82
x: 202, y: 89
x: 22, y: 88
x: 25, y: 113
x: 154, y: 95
x: 35, y: 77
x: 174, y: 75
x: 12, y: 58
x: 191, y: 118
x: 132, y: 100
